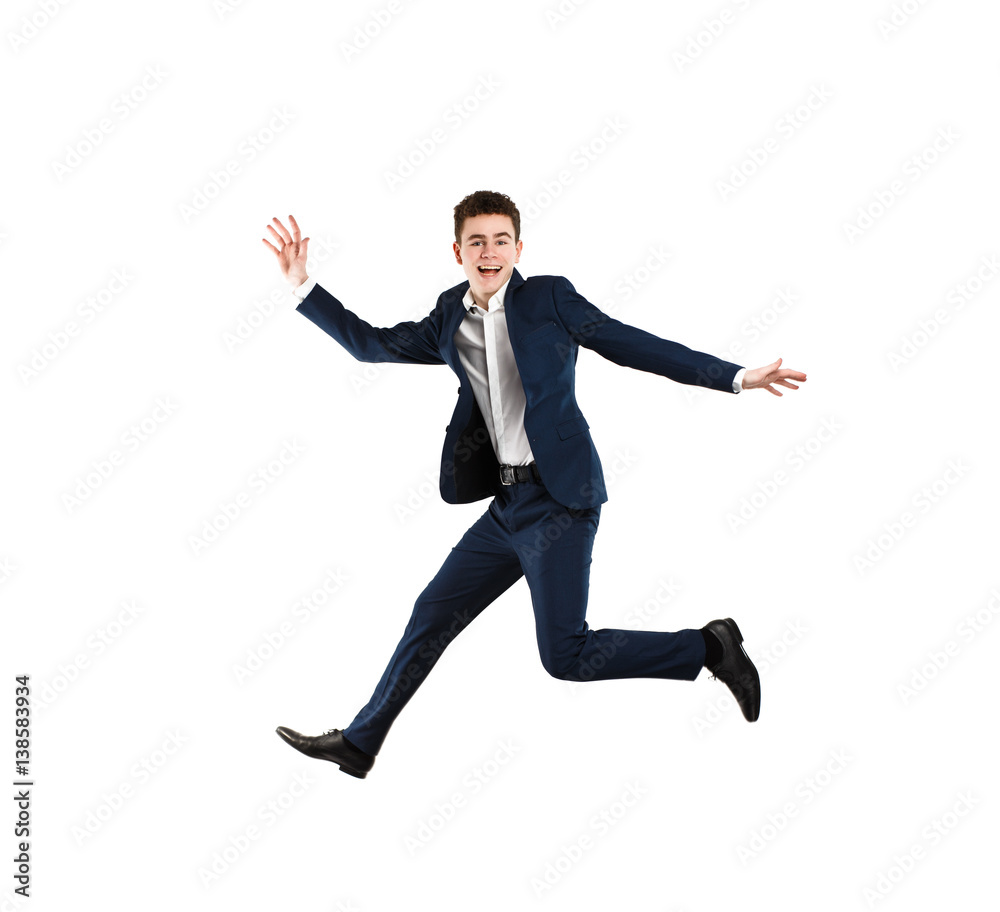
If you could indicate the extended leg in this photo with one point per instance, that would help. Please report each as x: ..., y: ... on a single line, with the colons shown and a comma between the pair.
x: 479, y: 569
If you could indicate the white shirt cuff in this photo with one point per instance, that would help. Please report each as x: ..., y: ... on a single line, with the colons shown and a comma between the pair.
x: 738, y: 380
x: 302, y: 290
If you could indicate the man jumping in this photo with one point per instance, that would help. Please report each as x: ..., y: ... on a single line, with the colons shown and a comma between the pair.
x: 518, y: 436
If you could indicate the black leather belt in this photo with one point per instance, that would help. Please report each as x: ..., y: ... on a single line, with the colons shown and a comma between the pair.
x: 516, y: 474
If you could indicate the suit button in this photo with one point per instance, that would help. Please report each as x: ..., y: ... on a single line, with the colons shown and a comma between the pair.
x: 460, y: 390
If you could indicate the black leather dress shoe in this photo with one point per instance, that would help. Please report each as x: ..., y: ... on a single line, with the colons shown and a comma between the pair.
x: 735, y: 669
x: 332, y: 746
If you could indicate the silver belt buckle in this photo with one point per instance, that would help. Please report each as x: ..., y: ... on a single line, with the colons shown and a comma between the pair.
x: 507, y: 477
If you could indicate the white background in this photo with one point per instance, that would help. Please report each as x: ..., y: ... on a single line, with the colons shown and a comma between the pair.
x: 841, y: 614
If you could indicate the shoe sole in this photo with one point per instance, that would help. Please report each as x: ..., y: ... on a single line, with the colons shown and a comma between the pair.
x: 353, y: 773
x: 357, y: 774
x: 739, y: 639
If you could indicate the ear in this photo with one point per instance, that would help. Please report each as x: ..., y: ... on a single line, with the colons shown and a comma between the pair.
x: 458, y: 253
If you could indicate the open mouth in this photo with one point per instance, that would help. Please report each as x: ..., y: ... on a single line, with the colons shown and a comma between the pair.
x: 489, y: 270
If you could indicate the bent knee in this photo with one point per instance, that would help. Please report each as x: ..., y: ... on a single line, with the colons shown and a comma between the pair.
x: 564, y: 666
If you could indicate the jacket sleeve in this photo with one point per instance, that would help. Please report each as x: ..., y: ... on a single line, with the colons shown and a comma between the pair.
x: 411, y: 342
x: 632, y: 347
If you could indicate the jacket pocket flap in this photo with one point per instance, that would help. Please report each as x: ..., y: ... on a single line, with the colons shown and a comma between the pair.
x: 574, y: 426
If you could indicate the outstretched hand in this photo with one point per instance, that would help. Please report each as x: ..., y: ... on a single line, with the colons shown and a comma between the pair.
x: 291, y: 251
x: 764, y: 377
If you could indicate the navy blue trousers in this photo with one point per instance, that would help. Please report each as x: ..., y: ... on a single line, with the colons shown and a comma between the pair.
x: 523, y: 533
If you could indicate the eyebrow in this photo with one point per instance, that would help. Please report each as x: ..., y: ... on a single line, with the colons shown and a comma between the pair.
x: 472, y: 237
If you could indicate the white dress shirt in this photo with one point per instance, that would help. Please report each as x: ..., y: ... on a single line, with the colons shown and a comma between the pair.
x: 484, y: 349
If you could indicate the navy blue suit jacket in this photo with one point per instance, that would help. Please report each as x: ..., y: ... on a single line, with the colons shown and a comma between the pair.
x: 547, y: 321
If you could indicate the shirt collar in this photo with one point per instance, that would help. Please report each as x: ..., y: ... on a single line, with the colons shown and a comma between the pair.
x: 496, y: 302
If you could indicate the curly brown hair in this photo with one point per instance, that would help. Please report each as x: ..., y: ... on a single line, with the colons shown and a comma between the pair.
x: 486, y: 202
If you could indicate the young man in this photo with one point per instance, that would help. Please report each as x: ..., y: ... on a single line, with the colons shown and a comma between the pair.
x: 517, y: 435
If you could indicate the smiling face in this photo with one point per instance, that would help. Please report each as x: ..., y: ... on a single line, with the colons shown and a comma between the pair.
x: 487, y: 254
